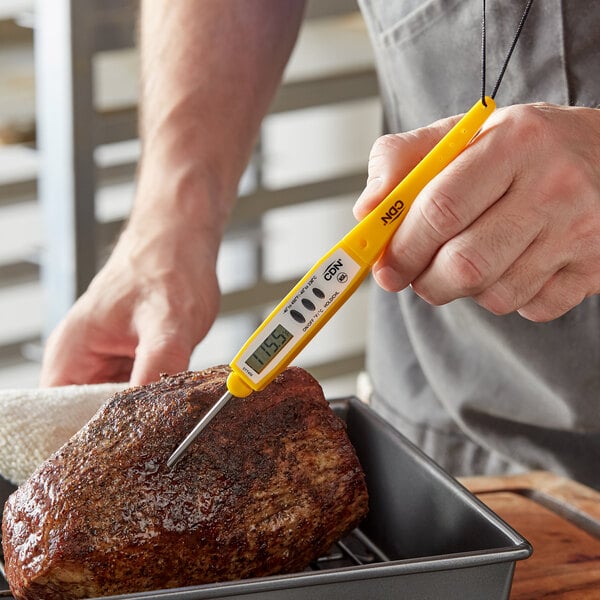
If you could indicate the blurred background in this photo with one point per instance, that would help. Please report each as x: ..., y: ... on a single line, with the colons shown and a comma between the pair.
x: 68, y: 152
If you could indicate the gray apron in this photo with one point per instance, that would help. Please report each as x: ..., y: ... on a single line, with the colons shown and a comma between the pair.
x: 479, y: 393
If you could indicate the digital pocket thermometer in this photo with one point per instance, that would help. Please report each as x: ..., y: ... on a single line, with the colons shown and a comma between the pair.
x: 333, y: 279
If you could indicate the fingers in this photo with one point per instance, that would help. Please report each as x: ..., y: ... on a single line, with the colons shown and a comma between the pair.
x: 523, y: 280
x: 499, y: 260
x: 168, y: 325
x: 72, y: 357
x: 512, y: 222
x: 559, y: 294
x: 76, y: 353
x: 392, y: 157
x: 162, y: 348
x: 506, y: 261
x: 447, y: 206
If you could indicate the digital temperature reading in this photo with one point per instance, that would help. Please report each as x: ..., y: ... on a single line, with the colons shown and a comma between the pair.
x: 269, y: 348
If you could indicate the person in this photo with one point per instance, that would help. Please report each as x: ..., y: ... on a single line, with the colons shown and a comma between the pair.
x: 484, y: 343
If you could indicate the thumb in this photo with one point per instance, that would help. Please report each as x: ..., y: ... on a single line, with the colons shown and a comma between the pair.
x: 161, y: 349
x: 392, y: 157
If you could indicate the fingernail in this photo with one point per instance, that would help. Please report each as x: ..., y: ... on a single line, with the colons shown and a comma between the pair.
x: 362, y: 202
x: 389, y: 279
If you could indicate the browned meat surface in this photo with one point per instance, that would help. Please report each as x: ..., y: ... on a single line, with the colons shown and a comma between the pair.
x: 265, y: 489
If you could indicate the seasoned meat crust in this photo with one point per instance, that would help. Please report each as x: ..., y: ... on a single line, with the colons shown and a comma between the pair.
x: 267, y: 487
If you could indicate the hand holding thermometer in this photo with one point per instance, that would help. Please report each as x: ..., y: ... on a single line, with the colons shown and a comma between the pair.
x: 333, y: 279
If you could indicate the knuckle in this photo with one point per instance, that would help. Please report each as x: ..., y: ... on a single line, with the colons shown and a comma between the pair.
x: 388, y: 149
x: 406, y: 257
x: 566, y: 173
x: 498, y: 300
x: 566, y: 178
x: 529, y: 128
x: 466, y: 268
x: 548, y: 306
x: 166, y: 342
x: 169, y: 346
x: 528, y: 122
x: 441, y: 215
x: 384, y: 147
x: 385, y: 144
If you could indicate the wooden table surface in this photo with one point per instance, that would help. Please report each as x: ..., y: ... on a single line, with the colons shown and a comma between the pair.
x: 561, y: 520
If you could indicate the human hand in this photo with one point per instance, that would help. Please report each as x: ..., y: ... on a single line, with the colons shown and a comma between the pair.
x: 202, y: 99
x: 143, y: 314
x: 513, y: 222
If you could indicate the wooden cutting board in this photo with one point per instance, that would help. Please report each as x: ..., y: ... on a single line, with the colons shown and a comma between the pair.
x: 561, y: 520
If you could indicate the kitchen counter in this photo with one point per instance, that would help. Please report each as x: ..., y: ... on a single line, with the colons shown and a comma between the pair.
x: 561, y: 519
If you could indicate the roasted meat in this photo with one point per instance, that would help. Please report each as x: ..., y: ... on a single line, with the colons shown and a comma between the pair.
x: 265, y: 489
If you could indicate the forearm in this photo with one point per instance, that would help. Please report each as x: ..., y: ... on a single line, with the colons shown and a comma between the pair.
x: 209, y: 71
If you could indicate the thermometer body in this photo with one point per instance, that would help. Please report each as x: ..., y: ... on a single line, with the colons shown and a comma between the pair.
x: 333, y: 279
x: 296, y: 320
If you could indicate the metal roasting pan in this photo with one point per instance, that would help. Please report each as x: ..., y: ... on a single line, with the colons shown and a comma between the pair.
x: 425, y: 538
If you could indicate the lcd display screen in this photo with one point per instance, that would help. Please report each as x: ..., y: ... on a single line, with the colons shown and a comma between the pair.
x: 269, y: 348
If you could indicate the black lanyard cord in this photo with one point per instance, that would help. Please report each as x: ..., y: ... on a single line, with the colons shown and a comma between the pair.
x: 509, y: 54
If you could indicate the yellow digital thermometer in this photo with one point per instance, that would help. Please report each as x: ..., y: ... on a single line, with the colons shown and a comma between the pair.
x: 333, y: 279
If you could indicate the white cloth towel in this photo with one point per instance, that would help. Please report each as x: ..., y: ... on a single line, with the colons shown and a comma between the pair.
x: 34, y: 423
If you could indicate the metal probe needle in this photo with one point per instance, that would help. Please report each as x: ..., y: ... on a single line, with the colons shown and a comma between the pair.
x: 204, y: 421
